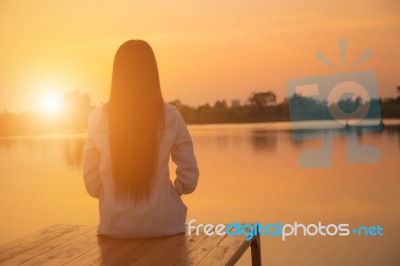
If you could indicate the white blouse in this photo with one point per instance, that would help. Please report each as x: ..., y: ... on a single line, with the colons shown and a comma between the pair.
x: 165, y: 213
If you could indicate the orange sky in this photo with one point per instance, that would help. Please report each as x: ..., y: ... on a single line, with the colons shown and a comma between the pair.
x: 206, y: 50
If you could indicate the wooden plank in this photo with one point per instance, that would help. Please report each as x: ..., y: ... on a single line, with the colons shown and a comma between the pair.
x: 38, y: 243
x: 42, y: 232
x: 166, y: 250
x: 94, y: 256
x: 80, y: 245
x: 122, y: 254
x: 68, y: 249
x: 173, y: 252
x: 227, y: 252
x: 148, y: 245
x: 107, y: 252
x: 205, y: 246
x: 256, y: 251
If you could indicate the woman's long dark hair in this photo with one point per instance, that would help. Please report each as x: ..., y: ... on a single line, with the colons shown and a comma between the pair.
x: 135, y: 119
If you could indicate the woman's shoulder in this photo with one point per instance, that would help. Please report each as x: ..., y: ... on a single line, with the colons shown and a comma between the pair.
x: 97, y: 113
x: 96, y: 118
x: 171, y: 115
x: 169, y: 107
x: 170, y: 110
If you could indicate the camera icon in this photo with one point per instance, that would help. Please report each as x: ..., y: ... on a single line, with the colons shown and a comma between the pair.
x: 345, y: 103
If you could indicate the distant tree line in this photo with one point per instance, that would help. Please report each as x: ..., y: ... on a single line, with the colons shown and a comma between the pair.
x: 260, y: 107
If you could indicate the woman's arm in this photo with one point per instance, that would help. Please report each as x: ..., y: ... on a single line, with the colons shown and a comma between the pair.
x: 187, y: 172
x: 91, y: 162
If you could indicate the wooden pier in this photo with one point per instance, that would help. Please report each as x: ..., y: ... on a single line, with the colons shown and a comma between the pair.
x: 63, y: 244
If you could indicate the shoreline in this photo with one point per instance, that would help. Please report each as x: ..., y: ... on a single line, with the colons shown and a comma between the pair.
x: 268, y: 126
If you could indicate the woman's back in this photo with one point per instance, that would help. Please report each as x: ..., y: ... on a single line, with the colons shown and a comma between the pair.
x: 163, y: 213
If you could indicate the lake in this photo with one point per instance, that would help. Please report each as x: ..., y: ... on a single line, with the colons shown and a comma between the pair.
x: 248, y: 173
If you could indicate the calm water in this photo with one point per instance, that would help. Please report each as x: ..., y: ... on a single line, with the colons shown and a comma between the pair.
x: 249, y: 173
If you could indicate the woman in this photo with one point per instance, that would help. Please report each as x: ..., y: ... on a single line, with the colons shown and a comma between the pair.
x: 126, y: 154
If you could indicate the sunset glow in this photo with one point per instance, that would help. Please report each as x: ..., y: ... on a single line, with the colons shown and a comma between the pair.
x: 51, y: 104
x: 205, y: 50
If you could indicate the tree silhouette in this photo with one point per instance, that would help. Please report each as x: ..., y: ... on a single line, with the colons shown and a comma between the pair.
x: 77, y: 108
x: 262, y: 99
x: 220, y: 105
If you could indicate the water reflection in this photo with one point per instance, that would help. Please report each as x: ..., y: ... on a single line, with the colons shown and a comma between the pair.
x: 72, y: 151
x: 7, y: 144
x: 222, y: 141
x: 304, y: 134
x: 70, y: 147
x: 300, y: 135
x: 248, y: 173
x: 264, y: 140
x: 394, y: 133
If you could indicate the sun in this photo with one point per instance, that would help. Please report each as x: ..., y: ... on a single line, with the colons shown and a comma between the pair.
x: 51, y: 104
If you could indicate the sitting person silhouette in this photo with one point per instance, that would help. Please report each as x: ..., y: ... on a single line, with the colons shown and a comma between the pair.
x: 126, y: 154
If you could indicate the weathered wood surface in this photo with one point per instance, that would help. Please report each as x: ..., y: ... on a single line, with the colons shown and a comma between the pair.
x: 80, y: 245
